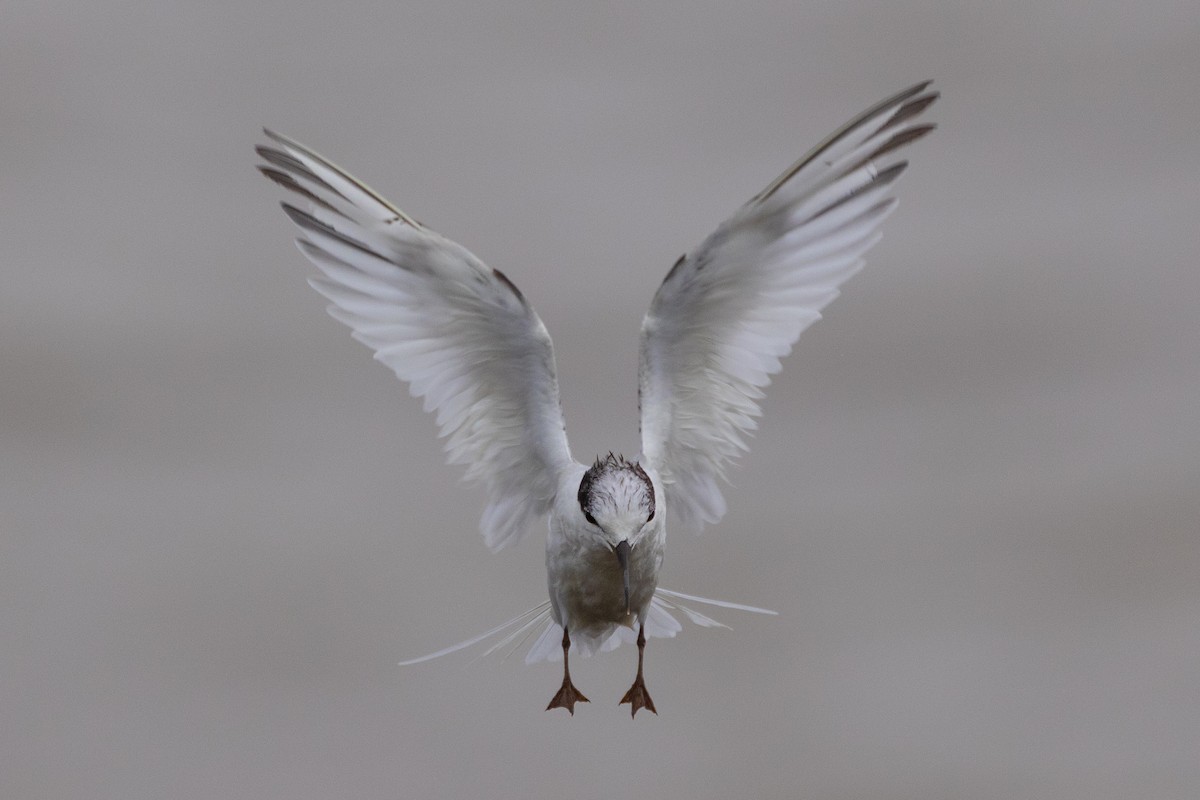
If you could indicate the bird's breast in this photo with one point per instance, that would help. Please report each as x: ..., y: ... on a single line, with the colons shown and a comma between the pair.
x: 586, y: 584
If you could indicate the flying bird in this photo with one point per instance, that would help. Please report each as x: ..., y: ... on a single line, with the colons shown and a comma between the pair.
x: 465, y: 339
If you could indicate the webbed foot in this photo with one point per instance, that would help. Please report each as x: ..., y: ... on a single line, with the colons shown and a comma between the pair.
x: 567, y: 697
x: 638, y: 697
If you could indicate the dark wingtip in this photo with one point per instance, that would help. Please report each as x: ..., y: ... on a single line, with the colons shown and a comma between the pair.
x: 276, y: 136
x: 912, y: 108
x: 906, y: 136
x: 906, y: 94
x: 916, y: 88
x: 299, y: 216
x: 891, y: 173
x: 512, y: 287
x: 675, y: 267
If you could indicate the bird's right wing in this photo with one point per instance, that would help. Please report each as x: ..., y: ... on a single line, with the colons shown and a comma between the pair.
x: 732, y: 308
x: 459, y: 333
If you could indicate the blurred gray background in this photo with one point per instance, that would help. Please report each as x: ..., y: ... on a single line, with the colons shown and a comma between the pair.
x: 974, y: 497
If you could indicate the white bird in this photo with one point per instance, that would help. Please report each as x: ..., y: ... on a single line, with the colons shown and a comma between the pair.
x: 466, y: 340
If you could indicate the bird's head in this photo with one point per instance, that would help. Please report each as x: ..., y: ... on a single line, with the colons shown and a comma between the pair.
x: 616, y: 498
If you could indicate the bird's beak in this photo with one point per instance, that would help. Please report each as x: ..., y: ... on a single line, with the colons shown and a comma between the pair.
x: 622, y: 551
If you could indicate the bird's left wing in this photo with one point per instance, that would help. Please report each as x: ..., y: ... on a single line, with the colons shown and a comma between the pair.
x: 732, y: 308
x: 459, y: 333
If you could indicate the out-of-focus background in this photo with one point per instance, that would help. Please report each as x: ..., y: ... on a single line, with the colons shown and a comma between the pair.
x: 974, y: 498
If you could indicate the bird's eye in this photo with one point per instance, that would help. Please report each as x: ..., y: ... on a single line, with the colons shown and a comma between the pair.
x: 588, y: 516
x: 649, y: 518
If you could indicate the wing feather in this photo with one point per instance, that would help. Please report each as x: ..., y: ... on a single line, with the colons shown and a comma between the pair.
x: 459, y: 333
x: 729, y: 311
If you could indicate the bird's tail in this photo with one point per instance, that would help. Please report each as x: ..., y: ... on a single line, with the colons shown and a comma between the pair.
x: 659, y: 623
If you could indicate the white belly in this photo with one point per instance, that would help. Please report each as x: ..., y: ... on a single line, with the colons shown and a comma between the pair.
x: 587, y: 593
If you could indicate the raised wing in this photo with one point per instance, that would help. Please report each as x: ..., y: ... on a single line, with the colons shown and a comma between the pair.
x: 458, y: 332
x: 730, y: 310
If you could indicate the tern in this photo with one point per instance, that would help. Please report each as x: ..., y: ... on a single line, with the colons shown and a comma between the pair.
x: 466, y: 339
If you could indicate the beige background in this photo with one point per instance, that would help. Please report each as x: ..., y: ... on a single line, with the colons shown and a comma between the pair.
x: 974, y: 497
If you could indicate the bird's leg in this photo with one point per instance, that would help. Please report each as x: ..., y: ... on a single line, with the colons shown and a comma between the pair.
x: 568, y: 695
x: 637, y: 696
